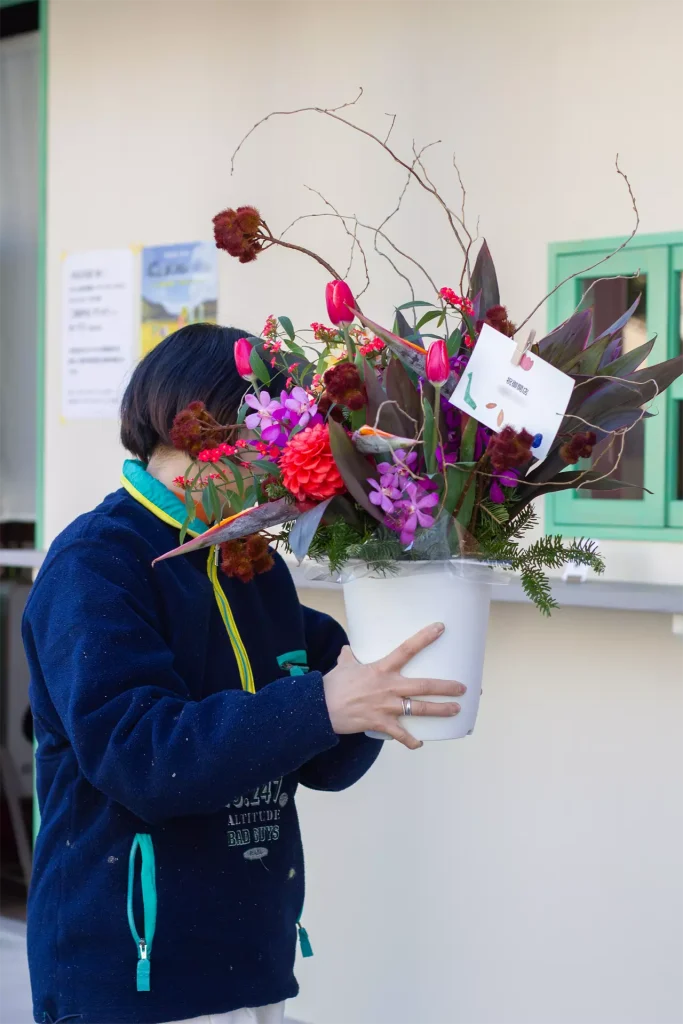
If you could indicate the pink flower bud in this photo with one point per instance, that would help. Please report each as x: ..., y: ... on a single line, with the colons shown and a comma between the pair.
x: 340, y: 302
x: 242, y: 352
x: 437, y: 367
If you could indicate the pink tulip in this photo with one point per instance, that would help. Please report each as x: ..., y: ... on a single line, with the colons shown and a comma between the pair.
x: 340, y: 302
x: 242, y: 352
x: 436, y: 365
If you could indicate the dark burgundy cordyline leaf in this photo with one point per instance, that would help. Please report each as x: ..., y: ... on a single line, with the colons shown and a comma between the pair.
x: 628, y: 362
x: 354, y: 468
x: 562, y: 346
x: 589, y: 359
x: 612, y: 352
x: 619, y: 418
x: 618, y: 324
x: 404, y: 330
x: 389, y: 418
x: 649, y: 382
x: 484, y: 280
x: 401, y: 389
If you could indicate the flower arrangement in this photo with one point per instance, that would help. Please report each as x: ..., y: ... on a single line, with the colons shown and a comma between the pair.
x: 347, y: 441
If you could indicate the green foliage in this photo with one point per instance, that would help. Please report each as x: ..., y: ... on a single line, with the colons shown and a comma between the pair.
x: 259, y: 367
x: 500, y: 542
x: 333, y: 543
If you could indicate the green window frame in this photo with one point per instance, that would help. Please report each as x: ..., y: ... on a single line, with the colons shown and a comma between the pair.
x: 656, y: 516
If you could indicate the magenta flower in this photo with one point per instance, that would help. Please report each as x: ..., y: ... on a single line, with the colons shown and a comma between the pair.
x: 414, y: 508
x: 384, y: 495
x: 396, y: 474
x: 302, y: 407
x: 508, y: 478
x: 264, y: 406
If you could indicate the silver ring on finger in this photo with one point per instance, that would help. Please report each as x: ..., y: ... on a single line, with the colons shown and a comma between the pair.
x: 407, y: 706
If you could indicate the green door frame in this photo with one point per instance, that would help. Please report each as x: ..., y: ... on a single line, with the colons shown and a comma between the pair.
x: 41, y: 293
x: 566, y: 513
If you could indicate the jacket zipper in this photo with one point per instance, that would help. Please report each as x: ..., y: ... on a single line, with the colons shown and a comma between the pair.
x: 143, y: 843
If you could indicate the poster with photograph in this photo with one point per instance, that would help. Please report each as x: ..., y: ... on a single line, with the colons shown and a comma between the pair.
x: 179, y: 287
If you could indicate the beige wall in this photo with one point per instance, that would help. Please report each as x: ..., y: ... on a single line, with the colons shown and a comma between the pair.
x: 544, y: 853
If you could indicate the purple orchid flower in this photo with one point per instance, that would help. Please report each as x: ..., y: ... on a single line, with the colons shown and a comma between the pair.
x: 384, y: 495
x: 301, y: 406
x: 508, y: 478
x: 414, y: 507
x: 264, y: 406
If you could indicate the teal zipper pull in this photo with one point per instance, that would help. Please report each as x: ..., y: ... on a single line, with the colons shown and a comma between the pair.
x: 143, y: 843
x: 143, y: 968
x: 304, y: 941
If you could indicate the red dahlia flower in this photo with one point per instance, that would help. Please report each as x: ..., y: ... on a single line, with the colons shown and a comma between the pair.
x: 308, y: 467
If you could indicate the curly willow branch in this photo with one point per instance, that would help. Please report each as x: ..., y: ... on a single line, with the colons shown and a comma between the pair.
x: 604, y: 259
x: 333, y: 113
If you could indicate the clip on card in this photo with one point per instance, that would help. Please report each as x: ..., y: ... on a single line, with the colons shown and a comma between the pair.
x: 521, y: 348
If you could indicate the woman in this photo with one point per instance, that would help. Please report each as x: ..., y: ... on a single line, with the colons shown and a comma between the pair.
x: 176, y: 712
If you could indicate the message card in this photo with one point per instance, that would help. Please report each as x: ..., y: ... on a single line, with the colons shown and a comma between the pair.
x: 532, y: 396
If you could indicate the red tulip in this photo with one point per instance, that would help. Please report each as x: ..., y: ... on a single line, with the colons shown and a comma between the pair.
x: 436, y: 366
x: 242, y: 352
x: 340, y: 302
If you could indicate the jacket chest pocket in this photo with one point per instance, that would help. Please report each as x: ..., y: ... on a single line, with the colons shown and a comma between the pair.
x: 295, y: 662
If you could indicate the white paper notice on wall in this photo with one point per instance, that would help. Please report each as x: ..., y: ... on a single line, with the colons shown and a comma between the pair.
x: 98, y: 338
x: 532, y: 396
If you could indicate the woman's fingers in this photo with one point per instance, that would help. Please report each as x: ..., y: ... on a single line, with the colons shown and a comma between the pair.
x: 428, y: 687
x: 396, y: 659
x: 394, y: 729
x: 426, y: 707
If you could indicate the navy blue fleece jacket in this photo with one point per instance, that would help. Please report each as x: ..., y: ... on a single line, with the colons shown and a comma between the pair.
x: 147, y: 743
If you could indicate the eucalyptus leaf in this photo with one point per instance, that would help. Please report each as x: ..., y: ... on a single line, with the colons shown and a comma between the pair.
x: 432, y: 315
x: 413, y: 305
x: 259, y: 367
x: 429, y: 435
x: 288, y: 326
x: 454, y: 342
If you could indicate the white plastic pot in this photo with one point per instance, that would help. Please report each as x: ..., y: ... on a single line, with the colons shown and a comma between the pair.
x: 382, y: 611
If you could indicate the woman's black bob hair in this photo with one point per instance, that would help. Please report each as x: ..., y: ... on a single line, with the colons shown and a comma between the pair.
x: 194, y: 364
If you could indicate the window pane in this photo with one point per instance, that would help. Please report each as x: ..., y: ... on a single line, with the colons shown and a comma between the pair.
x: 679, y: 460
x: 609, y: 299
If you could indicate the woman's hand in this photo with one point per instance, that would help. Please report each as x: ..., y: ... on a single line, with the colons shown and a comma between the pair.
x: 361, y: 697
